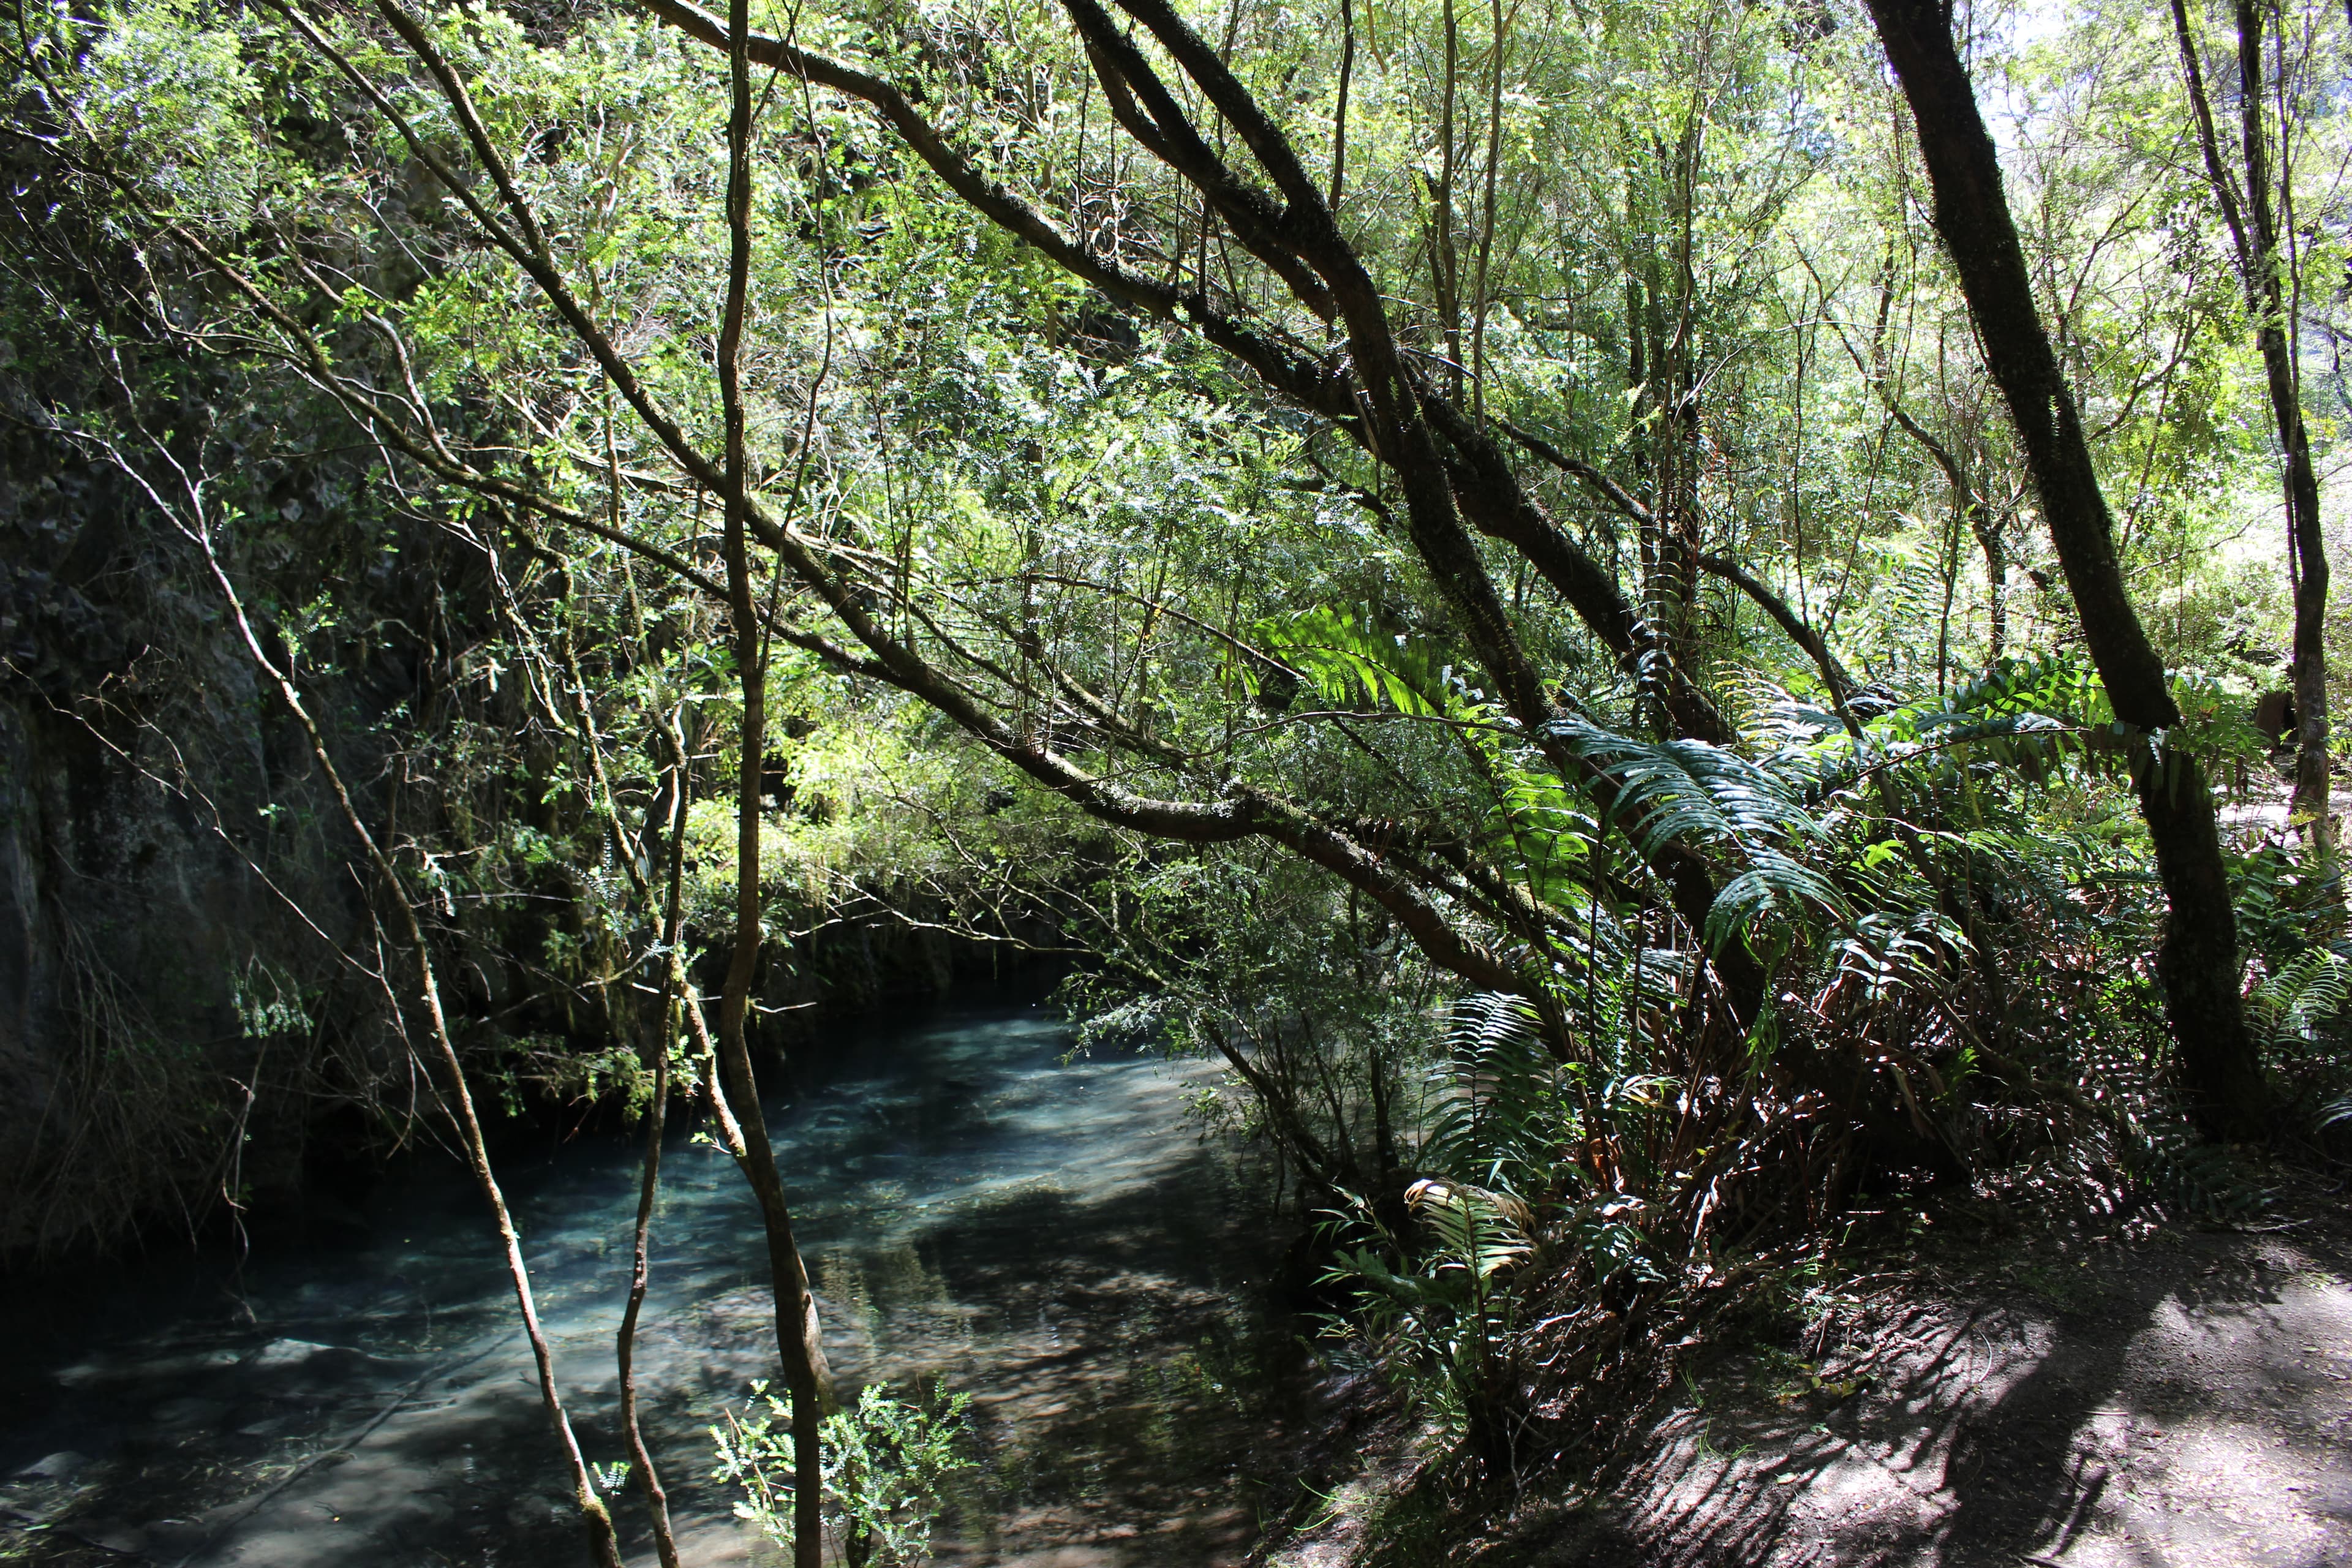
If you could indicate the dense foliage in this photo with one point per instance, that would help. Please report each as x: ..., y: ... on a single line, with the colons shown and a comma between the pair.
x: 1470, y: 563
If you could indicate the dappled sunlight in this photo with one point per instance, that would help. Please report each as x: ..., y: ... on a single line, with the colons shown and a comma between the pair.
x: 2180, y: 1413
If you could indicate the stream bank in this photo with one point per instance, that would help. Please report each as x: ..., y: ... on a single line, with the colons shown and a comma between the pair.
x: 1050, y: 1235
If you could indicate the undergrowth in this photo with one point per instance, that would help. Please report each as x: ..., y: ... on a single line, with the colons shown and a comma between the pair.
x: 1586, y: 1184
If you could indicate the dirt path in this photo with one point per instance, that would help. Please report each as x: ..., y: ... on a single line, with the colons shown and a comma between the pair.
x: 2180, y: 1401
x: 2258, y: 813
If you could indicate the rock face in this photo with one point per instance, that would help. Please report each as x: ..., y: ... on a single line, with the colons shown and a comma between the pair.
x: 119, y: 932
x: 177, y: 1024
x: 155, y: 992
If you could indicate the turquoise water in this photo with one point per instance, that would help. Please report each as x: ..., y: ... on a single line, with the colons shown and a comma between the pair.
x: 1052, y: 1236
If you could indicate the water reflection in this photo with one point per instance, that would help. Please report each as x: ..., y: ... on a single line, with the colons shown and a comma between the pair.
x: 1051, y: 1236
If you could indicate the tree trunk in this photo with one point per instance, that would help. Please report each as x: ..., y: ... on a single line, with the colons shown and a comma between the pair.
x: 798, y: 1342
x: 2198, y: 962
x: 2306, y: 550
x: 2308, y: 556
x: 2253, y: 232
x: 1987, y: 523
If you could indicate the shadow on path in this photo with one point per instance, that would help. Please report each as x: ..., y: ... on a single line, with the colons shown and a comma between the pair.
x: 2180, y: 1404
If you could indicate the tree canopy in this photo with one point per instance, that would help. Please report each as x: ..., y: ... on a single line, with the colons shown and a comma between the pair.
x: 1650, y: 614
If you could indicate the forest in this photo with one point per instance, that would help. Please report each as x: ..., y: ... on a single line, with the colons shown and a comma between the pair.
x: 1613, y: 707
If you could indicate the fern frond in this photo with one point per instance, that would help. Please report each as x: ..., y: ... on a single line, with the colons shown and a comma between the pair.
x: 1502, y: 1117
x: 2304, y: 993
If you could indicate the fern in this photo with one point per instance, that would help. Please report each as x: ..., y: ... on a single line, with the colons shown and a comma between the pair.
x: 1526, y: 817
x: 1502, y: 1113
x: 1887, y: 951
x: 2191, y: 1176
x: 1349, y: 657
x: 1481, y: 1231
x: 2306, y: 992
x: 1689, y: 790
x: 1690, y: 793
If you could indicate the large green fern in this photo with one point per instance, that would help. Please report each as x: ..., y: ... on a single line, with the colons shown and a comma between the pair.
x: 2307, y: 992
x: 1503, y: 1116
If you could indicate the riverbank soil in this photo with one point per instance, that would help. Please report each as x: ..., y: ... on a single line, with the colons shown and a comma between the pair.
x: 2126, y: 1396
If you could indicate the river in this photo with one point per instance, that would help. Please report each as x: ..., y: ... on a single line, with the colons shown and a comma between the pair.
x: 1049, y: 1234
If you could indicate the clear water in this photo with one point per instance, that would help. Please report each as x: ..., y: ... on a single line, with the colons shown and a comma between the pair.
x: 1051, y: 1236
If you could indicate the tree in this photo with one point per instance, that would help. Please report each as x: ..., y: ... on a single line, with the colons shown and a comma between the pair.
x: 1454, y: 641
x: 2198, y: 959
x: 2270, y: 273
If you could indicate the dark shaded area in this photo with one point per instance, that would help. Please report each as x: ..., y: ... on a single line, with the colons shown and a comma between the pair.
x: 1050, y: 1238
